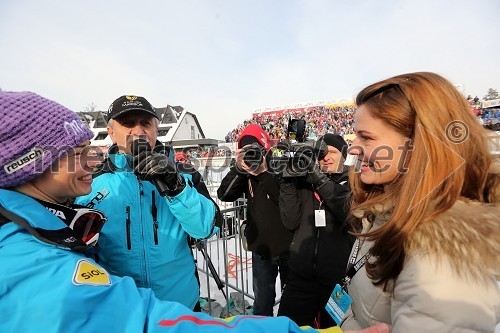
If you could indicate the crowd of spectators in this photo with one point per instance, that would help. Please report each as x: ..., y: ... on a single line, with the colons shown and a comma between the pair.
x: 489, y: 117
x: 319, y: 120
x: 197, y: 152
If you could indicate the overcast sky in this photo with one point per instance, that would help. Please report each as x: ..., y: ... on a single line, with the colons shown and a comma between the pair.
x: 222, y: 59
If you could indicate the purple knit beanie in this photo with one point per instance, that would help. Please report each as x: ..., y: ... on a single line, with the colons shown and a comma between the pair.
x: 34, y: 133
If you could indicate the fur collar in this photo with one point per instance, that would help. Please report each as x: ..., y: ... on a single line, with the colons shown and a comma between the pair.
x: 467, y: 235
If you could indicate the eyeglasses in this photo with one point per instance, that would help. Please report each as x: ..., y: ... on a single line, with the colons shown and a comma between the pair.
x: 87, y: 224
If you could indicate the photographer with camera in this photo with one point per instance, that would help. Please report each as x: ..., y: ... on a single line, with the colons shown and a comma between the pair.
x: 267, y: 237
x: 314, y: 205
x: 151, y: 206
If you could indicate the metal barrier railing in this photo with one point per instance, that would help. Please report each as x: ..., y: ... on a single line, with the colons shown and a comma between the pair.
x: 222, y: 258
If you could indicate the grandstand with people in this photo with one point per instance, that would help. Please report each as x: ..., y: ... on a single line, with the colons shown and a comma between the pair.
x: 322, y: 117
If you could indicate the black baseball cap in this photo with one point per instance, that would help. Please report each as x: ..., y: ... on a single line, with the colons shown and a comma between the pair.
x: 127, y: 103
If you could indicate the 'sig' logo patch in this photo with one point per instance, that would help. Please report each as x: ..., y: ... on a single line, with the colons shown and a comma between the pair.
x: 88, y: 273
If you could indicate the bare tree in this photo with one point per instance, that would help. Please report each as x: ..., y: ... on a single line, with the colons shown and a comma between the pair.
x: 492, y: 94
x: 90, y: 108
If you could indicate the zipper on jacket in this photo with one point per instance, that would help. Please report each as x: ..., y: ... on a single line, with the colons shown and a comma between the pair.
x: 127, y: 211
x: 141, y: 190
x: 154, y: 212
x: 316, y: 244
x: 315, y: 258
x: 143, y: 250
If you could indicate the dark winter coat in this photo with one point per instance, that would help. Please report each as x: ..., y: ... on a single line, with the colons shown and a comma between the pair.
x: 317, y: 252
x: 266, y: 234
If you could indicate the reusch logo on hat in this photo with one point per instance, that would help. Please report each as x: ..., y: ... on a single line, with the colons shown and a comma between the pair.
x: 127, y: 103
x: 24, y: 160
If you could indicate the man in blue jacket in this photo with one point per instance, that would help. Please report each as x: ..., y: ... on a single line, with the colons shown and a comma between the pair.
x: 146, y: 233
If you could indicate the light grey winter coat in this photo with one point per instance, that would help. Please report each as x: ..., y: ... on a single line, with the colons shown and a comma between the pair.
x: 449, y: 279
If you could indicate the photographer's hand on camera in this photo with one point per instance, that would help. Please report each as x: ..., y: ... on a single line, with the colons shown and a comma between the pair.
x: 242, y: 167
x: 314, y: 176
x: 239, y: 164
x: 160, y: 170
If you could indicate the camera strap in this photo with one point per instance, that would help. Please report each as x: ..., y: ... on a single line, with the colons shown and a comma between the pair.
x: 250, y: 189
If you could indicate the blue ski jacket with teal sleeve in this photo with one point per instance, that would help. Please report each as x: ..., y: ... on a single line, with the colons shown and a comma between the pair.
x: 146, y: 234
x: 49, y: 288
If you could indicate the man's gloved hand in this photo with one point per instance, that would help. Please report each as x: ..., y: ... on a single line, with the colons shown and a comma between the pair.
x: 317, y: 178
x: 314, y: 176
x: 160, y: 170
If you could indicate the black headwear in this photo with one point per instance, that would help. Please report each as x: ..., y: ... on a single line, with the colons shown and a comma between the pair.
x: 336, y: 141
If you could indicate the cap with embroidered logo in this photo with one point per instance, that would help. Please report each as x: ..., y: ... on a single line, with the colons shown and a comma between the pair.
x: 128, y: 103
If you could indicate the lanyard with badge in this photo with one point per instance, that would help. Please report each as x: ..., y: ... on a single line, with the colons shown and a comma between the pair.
x: 339, y: 300
x: 319, y: 214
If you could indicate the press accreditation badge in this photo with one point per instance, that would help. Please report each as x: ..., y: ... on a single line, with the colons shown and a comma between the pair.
x: 338, y: 304
x: 319, y: 218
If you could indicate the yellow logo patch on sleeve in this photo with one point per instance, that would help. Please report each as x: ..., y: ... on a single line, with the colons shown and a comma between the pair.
x: 88, y: 273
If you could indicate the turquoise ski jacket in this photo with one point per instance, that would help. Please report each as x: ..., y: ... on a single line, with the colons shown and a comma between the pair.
x: 49, y: 288
x: 146, y: 234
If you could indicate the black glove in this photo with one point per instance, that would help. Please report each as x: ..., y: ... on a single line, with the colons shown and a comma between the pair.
x: 317, y: 178
x: 314, y: 175
x: 160, y: 170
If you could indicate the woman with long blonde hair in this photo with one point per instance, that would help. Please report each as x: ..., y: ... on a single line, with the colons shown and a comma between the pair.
x: 424, y: 208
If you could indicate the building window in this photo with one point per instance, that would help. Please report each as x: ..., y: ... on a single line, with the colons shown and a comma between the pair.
x: 101, y: 136
x: 192, y: 132
x: 163, y: 132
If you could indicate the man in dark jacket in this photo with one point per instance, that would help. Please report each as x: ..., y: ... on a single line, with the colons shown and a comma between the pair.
x: 316, y: 207
x: 267, y: 237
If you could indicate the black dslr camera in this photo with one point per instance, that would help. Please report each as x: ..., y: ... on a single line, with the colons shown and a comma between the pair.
x: 295, y: 156
x: 253, y: 155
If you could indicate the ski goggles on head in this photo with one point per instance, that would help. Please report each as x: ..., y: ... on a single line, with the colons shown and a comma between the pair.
x: 87, y: 223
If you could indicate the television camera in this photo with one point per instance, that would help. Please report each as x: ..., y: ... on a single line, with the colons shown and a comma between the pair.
x: 295, y: 156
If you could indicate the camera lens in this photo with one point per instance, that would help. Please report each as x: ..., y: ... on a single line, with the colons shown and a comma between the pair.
x: 277, y: 159
x: 253, y: 157
x: 299, y: 164
x: 301, y: 160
